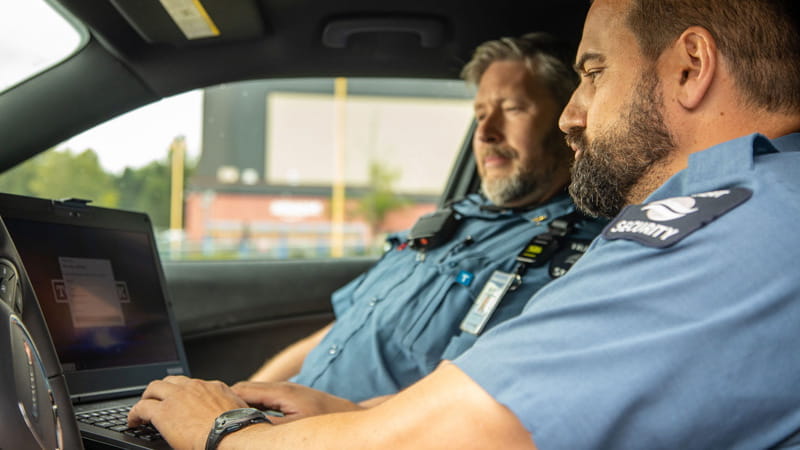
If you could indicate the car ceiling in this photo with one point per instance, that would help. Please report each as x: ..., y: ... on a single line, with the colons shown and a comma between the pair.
x: 136, y: 54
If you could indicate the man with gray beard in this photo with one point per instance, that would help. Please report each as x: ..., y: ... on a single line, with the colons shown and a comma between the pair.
x: 422, y: 304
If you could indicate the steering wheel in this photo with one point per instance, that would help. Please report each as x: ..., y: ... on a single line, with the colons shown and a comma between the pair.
x: 28, y: 410
x: 35, y: 409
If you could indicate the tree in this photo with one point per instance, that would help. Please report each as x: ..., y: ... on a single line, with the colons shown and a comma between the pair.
x: 18, y: 180
x: 62, y: 174
x: 146, y: 189
x: 381, y: 197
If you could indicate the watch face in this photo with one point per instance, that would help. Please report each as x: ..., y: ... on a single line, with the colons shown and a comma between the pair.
x: 233, y: 420
x: 238, y: 415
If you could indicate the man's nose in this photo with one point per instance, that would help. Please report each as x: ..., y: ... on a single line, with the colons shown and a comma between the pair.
x: 489, y: 129
x: 573, y: 116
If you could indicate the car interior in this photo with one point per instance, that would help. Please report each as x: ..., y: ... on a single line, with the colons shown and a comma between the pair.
x: 231, y: 313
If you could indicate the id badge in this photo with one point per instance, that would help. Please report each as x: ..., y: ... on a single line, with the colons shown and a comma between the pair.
x: 487, y: 301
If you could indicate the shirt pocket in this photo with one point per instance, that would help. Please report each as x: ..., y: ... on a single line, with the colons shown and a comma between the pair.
x: 390, y: 273
x: 437, y: 319
x: 458, y: 345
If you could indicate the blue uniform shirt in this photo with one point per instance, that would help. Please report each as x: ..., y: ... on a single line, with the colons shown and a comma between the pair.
x: 690, y: 346
x: 396, y: 322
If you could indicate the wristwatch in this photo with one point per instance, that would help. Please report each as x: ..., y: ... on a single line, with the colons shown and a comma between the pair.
x: 231, y: 421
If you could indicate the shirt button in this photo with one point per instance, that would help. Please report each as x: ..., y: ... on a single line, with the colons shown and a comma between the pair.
x: 333, y: 349
x: 373, y: 301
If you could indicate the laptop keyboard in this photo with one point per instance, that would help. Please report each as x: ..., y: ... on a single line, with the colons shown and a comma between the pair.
x: 116, y: 419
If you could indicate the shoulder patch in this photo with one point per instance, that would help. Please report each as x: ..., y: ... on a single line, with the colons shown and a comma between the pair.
x: 664, y: 222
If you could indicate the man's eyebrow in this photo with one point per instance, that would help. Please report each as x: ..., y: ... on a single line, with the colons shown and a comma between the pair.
x: 578, y: 67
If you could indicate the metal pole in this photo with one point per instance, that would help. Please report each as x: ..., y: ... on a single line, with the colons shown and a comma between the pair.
x: 338, y: 185
x: 178, y: 150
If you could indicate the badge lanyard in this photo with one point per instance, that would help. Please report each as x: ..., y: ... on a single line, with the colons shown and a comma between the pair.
x: 536, y: 253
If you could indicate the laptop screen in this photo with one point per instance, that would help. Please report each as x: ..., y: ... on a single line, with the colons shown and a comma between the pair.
x: 99, y: 292
x: 98, y: 280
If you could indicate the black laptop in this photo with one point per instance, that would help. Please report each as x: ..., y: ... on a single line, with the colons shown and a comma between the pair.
x: 100, y: 285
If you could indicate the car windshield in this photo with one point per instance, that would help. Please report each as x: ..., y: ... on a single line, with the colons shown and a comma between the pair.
x: 33, y: 37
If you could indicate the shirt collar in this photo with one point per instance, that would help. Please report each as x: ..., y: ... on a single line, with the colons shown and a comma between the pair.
x: 787, y: 143
x: 722, y: 165
x: 559, y: 205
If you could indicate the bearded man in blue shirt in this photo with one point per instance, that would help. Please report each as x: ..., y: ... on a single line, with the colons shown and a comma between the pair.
x: 678, y: 327
x: 419, y: 306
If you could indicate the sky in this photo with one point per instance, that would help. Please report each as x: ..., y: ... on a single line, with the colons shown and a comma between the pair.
x: 138, y: 137
x: 33, y: 37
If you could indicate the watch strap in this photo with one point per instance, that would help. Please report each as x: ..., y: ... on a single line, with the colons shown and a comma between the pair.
x: 233, y: 420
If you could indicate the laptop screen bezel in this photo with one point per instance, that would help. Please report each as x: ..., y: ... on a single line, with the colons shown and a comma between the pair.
x: 96, y: 384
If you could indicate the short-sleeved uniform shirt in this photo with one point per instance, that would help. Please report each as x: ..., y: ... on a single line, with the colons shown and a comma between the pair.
x: 396, y: 322
x: 688, y: 344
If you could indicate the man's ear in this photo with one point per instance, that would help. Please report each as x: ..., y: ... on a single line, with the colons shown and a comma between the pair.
x: 695, y: 58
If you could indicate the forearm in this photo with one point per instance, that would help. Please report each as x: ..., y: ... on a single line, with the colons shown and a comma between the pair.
x: 310, y: 433
x: 288, y: 362
x: 444, y: 407
x: 293, y: 400
x: 375, y: 401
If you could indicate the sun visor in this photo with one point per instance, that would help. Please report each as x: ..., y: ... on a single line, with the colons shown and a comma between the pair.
x: 182, y: 22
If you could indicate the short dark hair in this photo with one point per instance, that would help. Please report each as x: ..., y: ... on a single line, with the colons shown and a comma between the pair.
x: 759, y: 38
x: 545, y: 56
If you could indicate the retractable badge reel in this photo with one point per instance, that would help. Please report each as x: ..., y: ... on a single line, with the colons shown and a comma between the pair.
x: 536, y: 253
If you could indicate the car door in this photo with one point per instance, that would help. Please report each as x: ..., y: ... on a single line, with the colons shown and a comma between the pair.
x: 235, y: 314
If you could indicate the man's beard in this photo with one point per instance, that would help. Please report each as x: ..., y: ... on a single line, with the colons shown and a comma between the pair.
x: 618, y: 159
x: 529, y: 182
x: 503, y: 191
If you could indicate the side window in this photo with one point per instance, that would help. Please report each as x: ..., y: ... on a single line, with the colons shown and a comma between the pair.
x: 275, y: 169
x: 34, y: 37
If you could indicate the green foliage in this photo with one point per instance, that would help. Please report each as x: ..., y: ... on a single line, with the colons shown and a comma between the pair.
x: 147, y: 189
x: 381, y: 197
x: 64, y: 174
x: 19, y: 179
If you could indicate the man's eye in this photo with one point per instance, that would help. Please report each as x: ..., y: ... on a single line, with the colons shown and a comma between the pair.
x: 592, y: 74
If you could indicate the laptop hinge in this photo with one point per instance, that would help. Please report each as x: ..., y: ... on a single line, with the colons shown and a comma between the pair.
x: 107, y: 394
